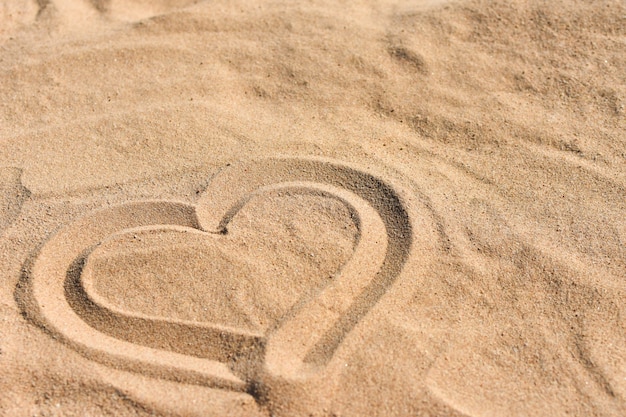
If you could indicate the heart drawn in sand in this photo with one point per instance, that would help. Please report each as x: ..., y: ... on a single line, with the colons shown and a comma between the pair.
x: 290, y: 355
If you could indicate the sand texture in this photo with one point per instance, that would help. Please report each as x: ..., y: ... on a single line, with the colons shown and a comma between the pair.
x: 312, y: 208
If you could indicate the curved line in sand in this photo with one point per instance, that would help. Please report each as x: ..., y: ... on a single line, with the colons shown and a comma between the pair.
x: 53, y: 309
x: 202, y: 340
x: 307, y: 336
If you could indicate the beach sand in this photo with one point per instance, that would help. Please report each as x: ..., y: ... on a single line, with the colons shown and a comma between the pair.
x: 248, y: 208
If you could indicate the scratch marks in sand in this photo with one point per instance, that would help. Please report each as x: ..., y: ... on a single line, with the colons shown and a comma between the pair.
x: 285, y: 362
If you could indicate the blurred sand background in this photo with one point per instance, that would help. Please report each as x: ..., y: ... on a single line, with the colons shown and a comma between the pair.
x: 506, y: 119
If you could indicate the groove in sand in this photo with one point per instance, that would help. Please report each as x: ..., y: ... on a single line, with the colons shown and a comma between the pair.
x: 296, y: 349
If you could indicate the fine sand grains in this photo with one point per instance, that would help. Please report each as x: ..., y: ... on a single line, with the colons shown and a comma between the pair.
x: 312, y: 208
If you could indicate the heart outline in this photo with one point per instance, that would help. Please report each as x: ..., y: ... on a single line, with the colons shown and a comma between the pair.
x: 378, y: 206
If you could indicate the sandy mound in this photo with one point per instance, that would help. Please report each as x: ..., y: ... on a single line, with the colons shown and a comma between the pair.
x: 313, y: 208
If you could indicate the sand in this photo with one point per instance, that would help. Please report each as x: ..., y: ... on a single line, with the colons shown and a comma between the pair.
x: 229, y: 208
